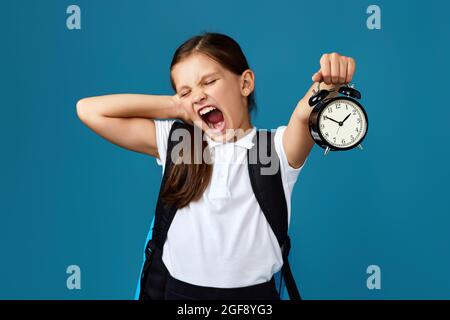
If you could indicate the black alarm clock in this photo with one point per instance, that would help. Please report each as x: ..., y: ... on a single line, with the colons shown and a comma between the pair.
x: 339, y: 123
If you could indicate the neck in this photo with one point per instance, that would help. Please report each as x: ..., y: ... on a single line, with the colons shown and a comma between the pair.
x: 243, y: 130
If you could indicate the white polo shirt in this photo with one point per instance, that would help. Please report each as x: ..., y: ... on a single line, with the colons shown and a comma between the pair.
x: 223, y: 239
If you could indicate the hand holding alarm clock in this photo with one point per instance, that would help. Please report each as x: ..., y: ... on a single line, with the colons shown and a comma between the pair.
x: 336, y: 123
x: 339, y: 123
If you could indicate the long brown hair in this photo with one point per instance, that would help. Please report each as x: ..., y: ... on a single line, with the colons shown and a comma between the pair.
x: 187, y: 181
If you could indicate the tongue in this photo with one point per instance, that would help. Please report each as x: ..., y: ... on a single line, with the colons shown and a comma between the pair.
x: 214, y: 116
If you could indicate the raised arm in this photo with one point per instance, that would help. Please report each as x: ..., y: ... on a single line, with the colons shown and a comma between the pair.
x: 126, y: 119
x: 335, y: 70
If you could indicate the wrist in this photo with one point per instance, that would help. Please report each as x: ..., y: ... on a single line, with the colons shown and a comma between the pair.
x: 175, y: 107
x: 303, y: 110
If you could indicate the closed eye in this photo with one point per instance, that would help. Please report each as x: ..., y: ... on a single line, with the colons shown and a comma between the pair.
x: 210, y: 82
x: 206, y: 83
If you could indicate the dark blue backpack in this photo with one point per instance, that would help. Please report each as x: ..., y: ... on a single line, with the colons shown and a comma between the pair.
x: 268, y: 190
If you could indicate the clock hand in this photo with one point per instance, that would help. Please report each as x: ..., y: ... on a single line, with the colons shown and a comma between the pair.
x: 346, y: 118
x: 331, y: 119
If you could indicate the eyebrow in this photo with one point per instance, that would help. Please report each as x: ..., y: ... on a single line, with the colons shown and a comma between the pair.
x: 201, y: 79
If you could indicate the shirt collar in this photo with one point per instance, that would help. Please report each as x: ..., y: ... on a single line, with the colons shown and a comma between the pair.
x: 244, y: 142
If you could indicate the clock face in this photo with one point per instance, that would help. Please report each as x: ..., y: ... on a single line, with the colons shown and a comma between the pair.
x: 342, y: 123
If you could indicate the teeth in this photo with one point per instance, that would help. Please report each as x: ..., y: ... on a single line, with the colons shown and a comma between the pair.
x: 206, y: 110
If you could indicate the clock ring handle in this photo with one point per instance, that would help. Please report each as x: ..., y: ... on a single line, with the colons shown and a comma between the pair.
x: 350, y: 91
x: 318, y: 95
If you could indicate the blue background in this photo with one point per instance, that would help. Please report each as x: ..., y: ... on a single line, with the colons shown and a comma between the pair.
x: 67, y: 196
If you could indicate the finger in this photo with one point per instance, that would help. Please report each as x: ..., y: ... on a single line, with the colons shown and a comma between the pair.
x: 334, y: 61
x: 350, y: 70
x: 343, y: 63
x: 317, y: 77
x: 325, y: 68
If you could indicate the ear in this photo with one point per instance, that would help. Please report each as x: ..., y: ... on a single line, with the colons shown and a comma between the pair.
x: 247, y: 82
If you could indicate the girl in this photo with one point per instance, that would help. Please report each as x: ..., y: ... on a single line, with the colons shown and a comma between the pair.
x: 219, y: 243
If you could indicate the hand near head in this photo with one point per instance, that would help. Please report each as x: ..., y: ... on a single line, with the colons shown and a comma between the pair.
x: 184, y: 112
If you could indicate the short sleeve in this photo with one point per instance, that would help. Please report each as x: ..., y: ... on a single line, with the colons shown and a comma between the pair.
x: 162, y: 136
x: 289, y: 174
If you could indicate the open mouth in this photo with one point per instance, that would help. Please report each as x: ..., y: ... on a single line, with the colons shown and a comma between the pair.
x: 213, y: 117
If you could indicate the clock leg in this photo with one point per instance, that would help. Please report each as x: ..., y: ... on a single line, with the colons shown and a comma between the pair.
x: 326, y: 151
x: 360, y: 146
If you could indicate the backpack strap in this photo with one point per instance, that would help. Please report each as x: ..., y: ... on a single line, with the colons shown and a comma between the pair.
x: 269, y: 192
x: 164, y: 214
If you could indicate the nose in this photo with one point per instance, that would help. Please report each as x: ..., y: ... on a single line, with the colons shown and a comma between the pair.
x: 198, y: 97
